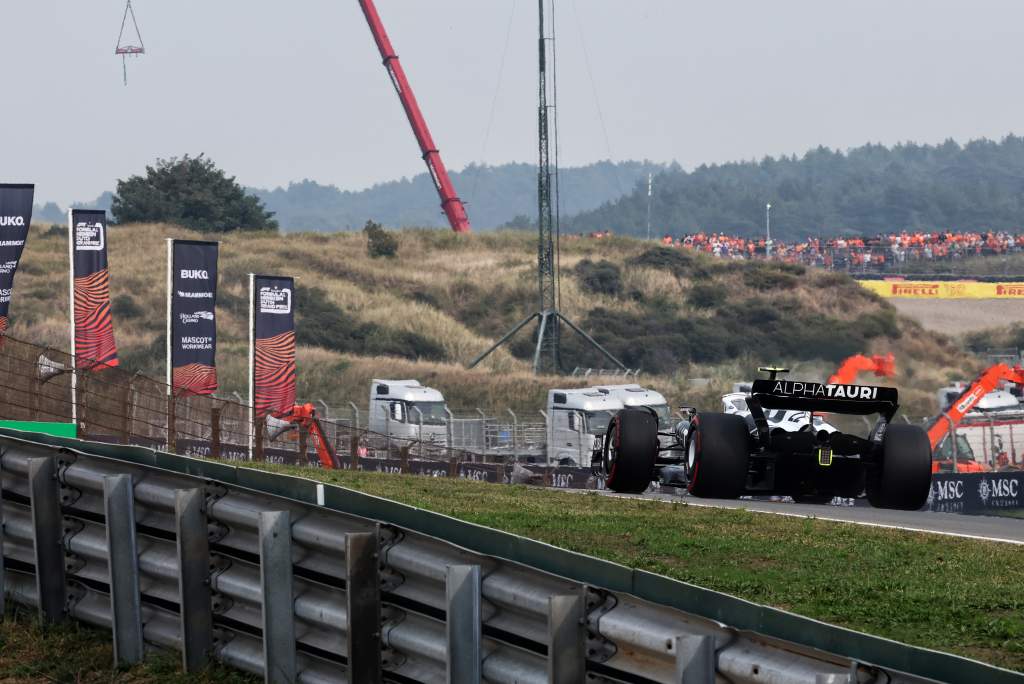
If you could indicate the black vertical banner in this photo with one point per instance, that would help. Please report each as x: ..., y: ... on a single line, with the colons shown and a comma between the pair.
x: 15, y: 217
x: 274, y: 345
x: 193, y: 317
x: 94, y: 329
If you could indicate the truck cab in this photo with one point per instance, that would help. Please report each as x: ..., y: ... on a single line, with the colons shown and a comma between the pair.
x: 577, y: 422
x: 405, y: 409
x: 635, y: 395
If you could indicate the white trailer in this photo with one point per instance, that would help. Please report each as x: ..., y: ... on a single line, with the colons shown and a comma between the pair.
x: 577, y: 422
x: 406, y: 410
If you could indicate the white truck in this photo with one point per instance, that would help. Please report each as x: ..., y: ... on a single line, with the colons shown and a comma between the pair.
x: 406, y: 410
x: 577, y: 422
x: 635, y: 395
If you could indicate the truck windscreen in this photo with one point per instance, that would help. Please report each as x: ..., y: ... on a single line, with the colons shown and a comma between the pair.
x: 433, y: 412
x: 597, y: 422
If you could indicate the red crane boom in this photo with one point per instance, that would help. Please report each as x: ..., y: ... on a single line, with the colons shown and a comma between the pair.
x: 450, y: 202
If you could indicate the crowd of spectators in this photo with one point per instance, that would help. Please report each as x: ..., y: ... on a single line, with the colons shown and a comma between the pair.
x: 880, y: 252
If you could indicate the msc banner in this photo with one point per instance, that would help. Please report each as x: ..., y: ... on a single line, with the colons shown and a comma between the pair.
x: 15, y: 217
x: 273, y: 351
x: 193, y: 321
x: 939, y: 289
x: 977, y: 493
x: 93, y: 328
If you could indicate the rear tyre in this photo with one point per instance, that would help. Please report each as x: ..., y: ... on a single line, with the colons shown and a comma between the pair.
x: 630, y: 450
x: 717, y: 455
x: 904, y: 476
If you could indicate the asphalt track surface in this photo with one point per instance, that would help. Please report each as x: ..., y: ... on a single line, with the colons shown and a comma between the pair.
x: 1007, y: 530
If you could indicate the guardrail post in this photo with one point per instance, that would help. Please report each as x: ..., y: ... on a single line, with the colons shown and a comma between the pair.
x: 695, y: 659
x: 193, y: 579
x: 276, y: 588
x: 566, y: 640
x: 47, y: 533
x: 462, y: 622
x: 123, y: 564
x: 362, y: 597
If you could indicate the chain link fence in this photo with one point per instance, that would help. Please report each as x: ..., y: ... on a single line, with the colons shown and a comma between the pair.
x: 120, y: 407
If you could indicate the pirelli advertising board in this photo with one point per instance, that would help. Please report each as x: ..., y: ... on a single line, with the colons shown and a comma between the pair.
x: 955, y: 289
x: 15, y: 217
x: 192, y: 311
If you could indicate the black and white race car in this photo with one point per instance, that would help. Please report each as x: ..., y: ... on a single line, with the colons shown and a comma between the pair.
x: 743, y: 453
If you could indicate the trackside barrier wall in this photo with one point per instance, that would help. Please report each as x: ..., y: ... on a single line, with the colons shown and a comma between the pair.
x: 295, y: 580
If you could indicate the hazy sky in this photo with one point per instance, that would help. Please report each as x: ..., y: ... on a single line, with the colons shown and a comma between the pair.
x: 280, y: 91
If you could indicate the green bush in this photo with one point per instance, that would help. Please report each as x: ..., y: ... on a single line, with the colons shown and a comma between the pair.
x: 601, y: 277
x: 706, y: 296
x: 379, y: 242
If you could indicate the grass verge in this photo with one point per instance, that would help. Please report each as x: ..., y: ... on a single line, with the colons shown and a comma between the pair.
x: 73, y: 652
x: 957, y: 595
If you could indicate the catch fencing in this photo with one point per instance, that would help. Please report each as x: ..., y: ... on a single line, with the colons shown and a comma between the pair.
x: 119, y: 407
x: 297, y: 581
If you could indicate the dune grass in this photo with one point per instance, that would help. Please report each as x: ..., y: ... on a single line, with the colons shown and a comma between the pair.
x: 952, y: 594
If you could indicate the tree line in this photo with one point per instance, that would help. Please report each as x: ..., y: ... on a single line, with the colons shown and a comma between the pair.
x: 867, y: 190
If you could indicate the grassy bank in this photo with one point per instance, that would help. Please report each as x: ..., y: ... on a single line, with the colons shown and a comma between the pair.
x: 957, y: 595
x: 693, y: 324
x: 72, y: 652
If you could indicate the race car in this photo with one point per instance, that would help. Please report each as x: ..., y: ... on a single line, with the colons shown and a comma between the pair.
x: 729, y: 455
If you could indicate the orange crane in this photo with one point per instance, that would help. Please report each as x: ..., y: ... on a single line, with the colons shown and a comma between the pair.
x: 881, y: 366
x: 986, y: 382
x: 303, y: 416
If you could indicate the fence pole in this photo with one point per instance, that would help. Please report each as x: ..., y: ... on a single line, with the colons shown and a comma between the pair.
x: 193, y: 549
x: 952, y: 437
x: 450, y: 430
x: 327, y: 409
x: 215, y: 438
x: 258, y: 439
x: 123, y: 564
x: 44, y: 496
x: 171, y: 427
x: 362, y: 599
x: 420, y: 436
x: 275, y: 538
x: 462, y: 623
x: 515, y: 439
x: 355, y: 414
x: 303, y: 445
x: 353, y: 448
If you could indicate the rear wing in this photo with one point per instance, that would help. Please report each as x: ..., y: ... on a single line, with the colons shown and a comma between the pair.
x: 858, y: 400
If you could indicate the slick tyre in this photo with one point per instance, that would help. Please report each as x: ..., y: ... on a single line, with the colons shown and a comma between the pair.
x: 716, y: 456
x: 630, y: 450
x: 903, y: 477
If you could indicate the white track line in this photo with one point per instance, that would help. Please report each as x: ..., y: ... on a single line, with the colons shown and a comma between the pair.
x: 806, y: 516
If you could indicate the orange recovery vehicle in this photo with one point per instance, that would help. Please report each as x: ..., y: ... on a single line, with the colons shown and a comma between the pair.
x: 945, y: 423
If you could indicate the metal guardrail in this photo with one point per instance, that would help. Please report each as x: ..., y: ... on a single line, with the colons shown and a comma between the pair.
x: 299, y: 581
